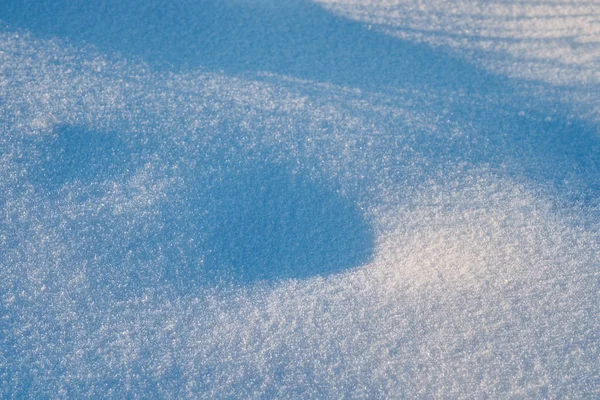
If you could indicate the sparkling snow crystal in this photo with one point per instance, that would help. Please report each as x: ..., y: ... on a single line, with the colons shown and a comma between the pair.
x: 299, y: 199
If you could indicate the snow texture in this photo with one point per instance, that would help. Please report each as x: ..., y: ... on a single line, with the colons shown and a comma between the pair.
x: 295, y: 199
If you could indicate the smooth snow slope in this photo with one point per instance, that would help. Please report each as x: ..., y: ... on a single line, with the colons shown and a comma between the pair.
x: 262, y: 199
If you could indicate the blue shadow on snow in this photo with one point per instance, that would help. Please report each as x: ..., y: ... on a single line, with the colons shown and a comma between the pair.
x: 297, y: 38
x: 301, y: 39
x: 235, y: 221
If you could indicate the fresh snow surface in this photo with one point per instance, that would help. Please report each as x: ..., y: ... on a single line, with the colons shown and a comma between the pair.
x: 296, y: 199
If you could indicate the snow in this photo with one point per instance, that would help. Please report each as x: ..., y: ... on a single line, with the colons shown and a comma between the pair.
x: 261, y: 199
